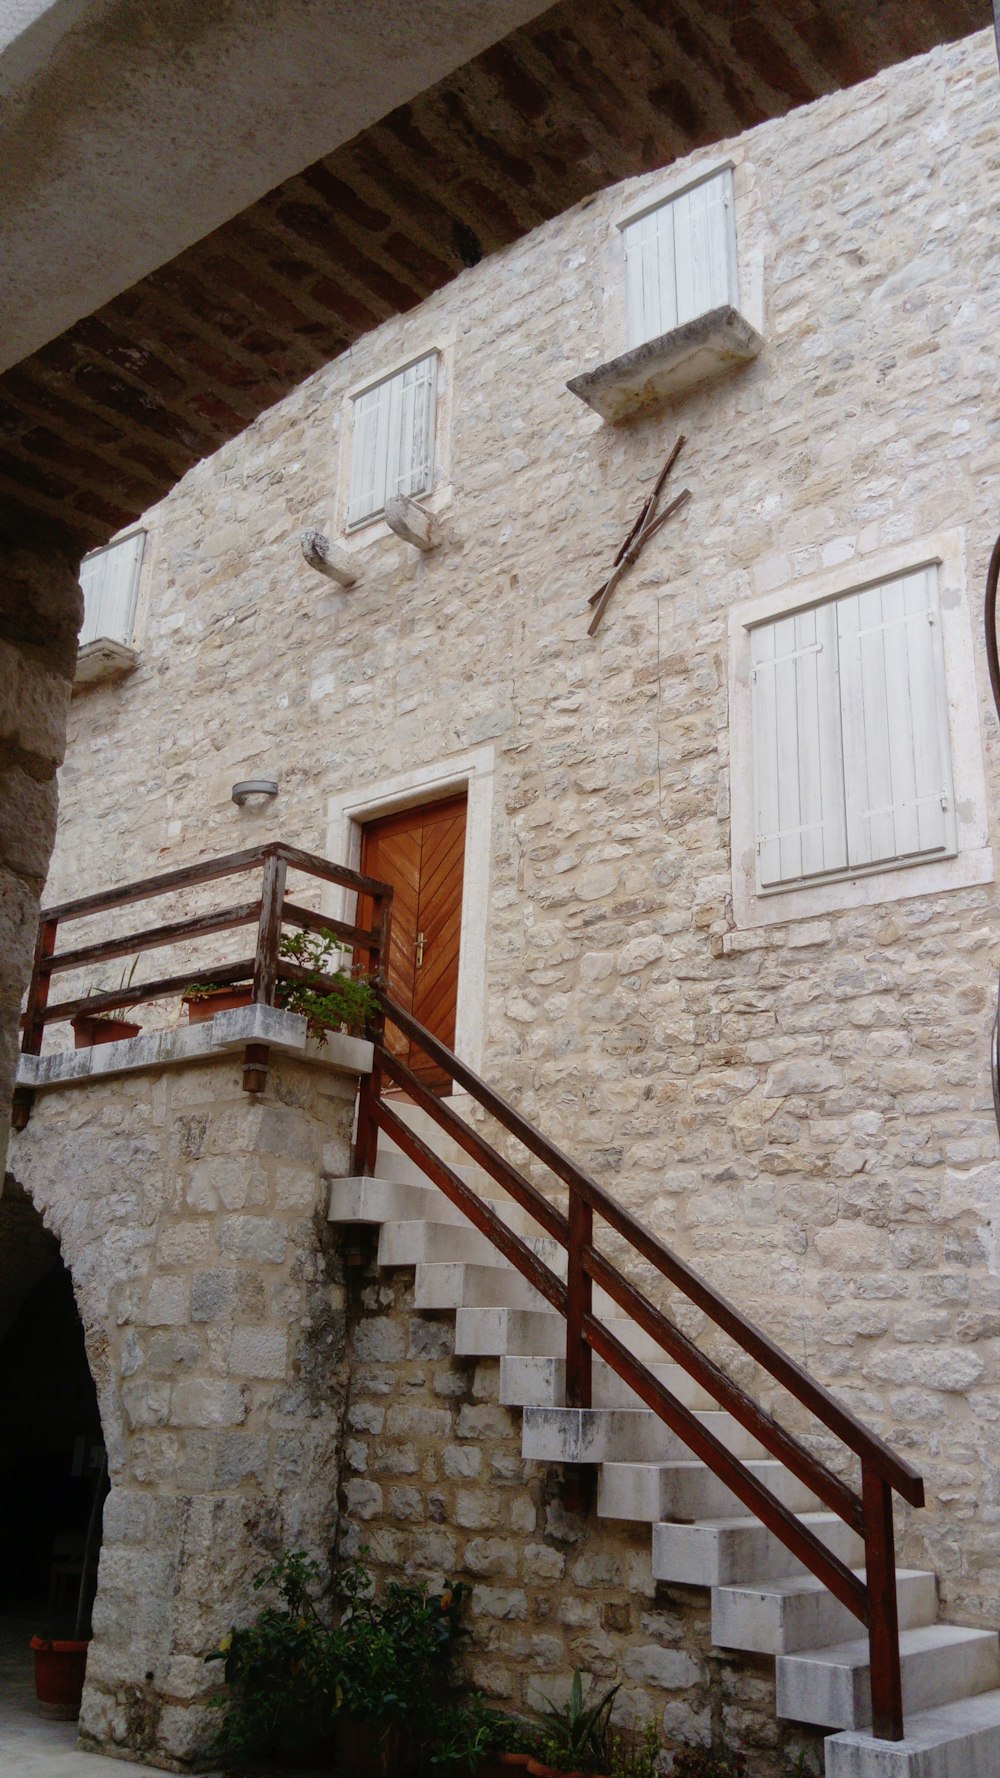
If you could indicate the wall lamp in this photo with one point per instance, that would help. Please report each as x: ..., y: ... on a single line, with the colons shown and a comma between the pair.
x: 253, y: 787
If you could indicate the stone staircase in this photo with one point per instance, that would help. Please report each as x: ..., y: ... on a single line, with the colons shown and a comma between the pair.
x: 763, y: 1600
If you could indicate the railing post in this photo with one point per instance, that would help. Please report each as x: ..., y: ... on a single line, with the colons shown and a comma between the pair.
x: 33, y: 1027
x: 265, y: 970
x: 580, y: 1291
x: 883, y: 1620
x: 370, y: 1091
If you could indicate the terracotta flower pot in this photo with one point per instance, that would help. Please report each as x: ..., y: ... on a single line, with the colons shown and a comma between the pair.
x: 503, y: 1765
x: 205, y: 1006
x: 371, y: 1750
x: 538, y: 1769
x: 91, y: 1028
x: 59, y: 1673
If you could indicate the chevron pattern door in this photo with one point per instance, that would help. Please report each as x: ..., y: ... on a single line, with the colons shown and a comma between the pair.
x: 421, y: 852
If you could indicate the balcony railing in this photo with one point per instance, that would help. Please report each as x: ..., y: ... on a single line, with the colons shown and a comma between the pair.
x: 269, y: 910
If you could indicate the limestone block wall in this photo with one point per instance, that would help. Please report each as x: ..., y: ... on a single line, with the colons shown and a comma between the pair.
x: 192, y: 1218
x: 803, y: 1107
x: 434, y: 1487
x: 41, y: 608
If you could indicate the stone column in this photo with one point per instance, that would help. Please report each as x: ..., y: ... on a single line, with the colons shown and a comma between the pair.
x: 41, y: 609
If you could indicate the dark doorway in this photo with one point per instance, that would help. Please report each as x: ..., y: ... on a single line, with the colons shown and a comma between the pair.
x: 51, y: 1461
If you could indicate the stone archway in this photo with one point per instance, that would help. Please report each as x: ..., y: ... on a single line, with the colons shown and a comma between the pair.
x: 52, y: 1461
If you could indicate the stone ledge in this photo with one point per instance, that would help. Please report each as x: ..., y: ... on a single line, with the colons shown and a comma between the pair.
x: 103, y: 660
x: 705, y: 347
x: 280, y: 1030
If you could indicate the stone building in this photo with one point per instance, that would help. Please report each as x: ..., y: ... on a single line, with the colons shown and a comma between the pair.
x: 712, y: 890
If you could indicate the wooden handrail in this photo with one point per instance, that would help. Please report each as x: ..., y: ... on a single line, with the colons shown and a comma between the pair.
x: 866, y: 1444
x: 871, y: 1599
x: 270, y: 911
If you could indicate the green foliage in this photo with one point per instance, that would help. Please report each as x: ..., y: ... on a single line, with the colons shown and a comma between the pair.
x: 578, y: 1736
x: 397, y: 1648
x: 635, y: 1752
x: 282, y: 1671
x: 289, y: 1672
x: 720, y: 1761
x: 463, y: 1734
x: 331, y: 999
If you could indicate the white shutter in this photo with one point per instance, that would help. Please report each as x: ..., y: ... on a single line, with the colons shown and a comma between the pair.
x: 392, y: 449
x: 110, y: 581
x: 797, y: 749
x: 897, y: 760
x: 680, y: 259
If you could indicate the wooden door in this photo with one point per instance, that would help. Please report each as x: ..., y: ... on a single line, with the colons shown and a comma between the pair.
x: 421, y: 852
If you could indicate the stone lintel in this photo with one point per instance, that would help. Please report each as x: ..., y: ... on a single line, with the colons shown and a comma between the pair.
x: 669, y: 365
x: 103, y: 660
x: 228, y: 1031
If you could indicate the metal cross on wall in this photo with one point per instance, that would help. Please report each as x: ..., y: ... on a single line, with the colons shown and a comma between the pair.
x: 645, y: 527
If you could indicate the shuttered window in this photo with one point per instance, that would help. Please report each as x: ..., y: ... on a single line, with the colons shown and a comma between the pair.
x: 852, y: 760
x: 392, y: 448
x: 680, y: 259
x: 110, y: 581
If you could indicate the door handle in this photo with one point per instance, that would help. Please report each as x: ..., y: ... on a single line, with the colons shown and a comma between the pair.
x: 420, y: 950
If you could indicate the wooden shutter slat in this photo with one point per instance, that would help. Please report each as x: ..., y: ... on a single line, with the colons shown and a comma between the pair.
x: 896, y: 748
x: 797, y: 756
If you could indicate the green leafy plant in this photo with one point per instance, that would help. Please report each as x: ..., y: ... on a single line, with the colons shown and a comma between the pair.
x: 720, y: 1761
x: 577, y: 1736
x: 282, y: 1671
x: 330, y: 999
x: 635, y: 1752
x: 461, y: 1736
x: 397, y: 1648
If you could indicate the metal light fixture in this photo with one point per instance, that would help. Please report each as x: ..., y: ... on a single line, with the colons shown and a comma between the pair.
x: 253, y: 787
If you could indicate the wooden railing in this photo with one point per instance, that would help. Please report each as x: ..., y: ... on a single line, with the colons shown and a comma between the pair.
x: 871, y: 1599
x: 268, y: 911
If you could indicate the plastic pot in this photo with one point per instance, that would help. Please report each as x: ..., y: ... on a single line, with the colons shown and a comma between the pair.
x: 59, y: 1674
x: 91, y: 1028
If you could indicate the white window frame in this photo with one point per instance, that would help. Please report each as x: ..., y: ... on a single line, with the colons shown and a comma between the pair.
x: 347, y: 813
x: 387, y: 380
x: 665, y: 205
x: 128, y: 537
x: 972, y: 859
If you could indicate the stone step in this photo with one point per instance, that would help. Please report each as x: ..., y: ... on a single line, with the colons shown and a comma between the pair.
x: 410, y: 1243
x: 455, y: 1285
x: 541, y: 1383
x: 494, y: 1332
x: 724, y: 1552
x: 780, y: 1617
x: 621, y: 1435
x: 494, y: 1337
x: 940, y: 1663
x: 957, y: 1740
x: 688, y: 1490
x: 376, y: 1199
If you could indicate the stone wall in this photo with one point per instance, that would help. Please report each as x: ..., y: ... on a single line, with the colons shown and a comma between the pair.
x: 192, y: 1218
x: 434, y: 1487
x: 41, y: 608
x: 803, y: 1109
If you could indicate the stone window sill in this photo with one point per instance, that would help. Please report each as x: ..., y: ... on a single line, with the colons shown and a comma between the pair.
x: 102, y: 661
x: 666, y: 367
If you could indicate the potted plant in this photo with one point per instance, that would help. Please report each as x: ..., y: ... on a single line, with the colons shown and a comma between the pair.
x: 469, y: 1740
x: 576, y: 1738
x: 106, y: 1027
x: 61, y: 1662
x: 331, y: 998
x: 397, y: 1649
x: 282, y: 1673
x: 204, y: 999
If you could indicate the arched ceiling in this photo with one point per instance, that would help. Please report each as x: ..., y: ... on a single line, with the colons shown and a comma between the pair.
x: 100, y: 423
